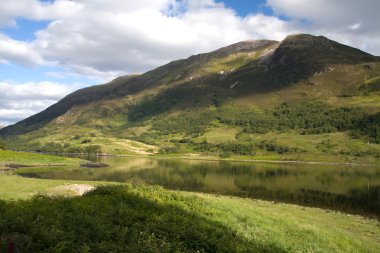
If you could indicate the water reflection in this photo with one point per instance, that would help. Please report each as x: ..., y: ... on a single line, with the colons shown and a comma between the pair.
x: 349, y: 188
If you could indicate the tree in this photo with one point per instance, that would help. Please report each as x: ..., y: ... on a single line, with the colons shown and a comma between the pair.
x: 2, y: 144
x: 93, y: 149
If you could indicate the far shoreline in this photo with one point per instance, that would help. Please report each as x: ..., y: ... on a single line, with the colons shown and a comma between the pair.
x: 246, y: 160
x: 205, y: 158
x: 197, y: 157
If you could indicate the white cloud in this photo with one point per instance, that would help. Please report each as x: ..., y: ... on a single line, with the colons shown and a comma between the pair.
x: 133, y: 38
x: 268, y: 27
x: 36, y: 10
x: 355, y: 26
x: 327, y: 12
x: 348, y: 21
x: 103, y: 39
x: 19, y: 101
x: 19, y: 52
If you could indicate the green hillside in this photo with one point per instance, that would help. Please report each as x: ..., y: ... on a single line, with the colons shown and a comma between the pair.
x: 304, y: 98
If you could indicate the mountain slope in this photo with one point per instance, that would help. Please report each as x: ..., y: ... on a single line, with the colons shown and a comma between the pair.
x: 239, y: 89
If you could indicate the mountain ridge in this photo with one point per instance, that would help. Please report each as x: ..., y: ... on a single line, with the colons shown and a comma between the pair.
x: 238, y: 80
x: 135, y: 83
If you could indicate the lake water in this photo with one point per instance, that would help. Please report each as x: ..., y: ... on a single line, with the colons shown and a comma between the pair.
x: 354, y: 189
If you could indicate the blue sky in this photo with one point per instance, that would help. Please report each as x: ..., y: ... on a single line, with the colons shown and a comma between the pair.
x: 244, y: 7
x: 50, y: 48
x: 24, y: 29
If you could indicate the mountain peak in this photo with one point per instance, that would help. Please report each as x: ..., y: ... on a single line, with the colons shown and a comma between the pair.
x: 301, y: 48
x: 247, y: 45
x: 303, y: 41
x: 252, y: 68
x: 304, y: 37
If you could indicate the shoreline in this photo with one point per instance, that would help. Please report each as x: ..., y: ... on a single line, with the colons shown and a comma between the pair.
x: 204, y: 158
x: 214, y: 159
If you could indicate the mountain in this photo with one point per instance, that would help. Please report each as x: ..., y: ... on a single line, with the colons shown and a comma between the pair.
x: 306, y: 96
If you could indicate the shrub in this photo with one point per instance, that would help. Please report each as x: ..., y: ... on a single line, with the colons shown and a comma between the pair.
x: 92, y: 149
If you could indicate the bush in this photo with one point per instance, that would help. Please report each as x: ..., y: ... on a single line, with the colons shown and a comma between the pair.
x: 85, y: 141
x: 226, y: 149
x: 74, y: 150
x: 92, y: 149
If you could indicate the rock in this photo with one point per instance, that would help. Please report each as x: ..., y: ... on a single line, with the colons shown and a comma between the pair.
x: 17, y: 166
x: 94, y: 165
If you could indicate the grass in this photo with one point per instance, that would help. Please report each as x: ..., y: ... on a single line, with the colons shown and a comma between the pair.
x: 12, y: 157
x: 216, y: 135
x: 128, y: 218
x: 297, y: 229
x: 83, y: 137
x: 14, y: 187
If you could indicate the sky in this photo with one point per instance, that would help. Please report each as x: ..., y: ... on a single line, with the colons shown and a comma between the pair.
x: 50, y: 48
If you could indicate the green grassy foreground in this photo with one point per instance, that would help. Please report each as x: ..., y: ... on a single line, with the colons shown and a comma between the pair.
x: 128, y: 218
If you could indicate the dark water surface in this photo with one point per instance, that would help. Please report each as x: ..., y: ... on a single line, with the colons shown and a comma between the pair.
x: 354, y: 189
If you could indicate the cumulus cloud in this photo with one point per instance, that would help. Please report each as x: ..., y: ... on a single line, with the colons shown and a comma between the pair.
x: 19, y: 101
x: 107, y: 38
x: 327, y: 12
x: 19, y: 52
x: 114, y: 36
x: 36, y: 10
x: 348, y: 21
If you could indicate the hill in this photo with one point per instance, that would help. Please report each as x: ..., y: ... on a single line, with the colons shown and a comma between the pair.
x: 304, y: 98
